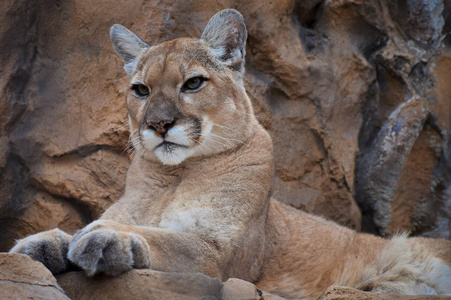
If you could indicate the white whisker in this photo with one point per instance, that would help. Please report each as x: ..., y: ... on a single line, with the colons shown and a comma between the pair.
x: 215, y: 140
x: 123, y: 125
x: 131, y: 141
x: 123, y: 78
x: 245, y: 113
x: 136, y: 149
x: 138, y: 152
x: 142, y: 152
x: 187, y: 65
x: 221, y: 126
x: 201, y: 147
x: 227, y: 139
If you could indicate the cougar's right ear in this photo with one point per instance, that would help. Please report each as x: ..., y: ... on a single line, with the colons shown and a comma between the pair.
x: 226, y: 35
x: 127, y: 45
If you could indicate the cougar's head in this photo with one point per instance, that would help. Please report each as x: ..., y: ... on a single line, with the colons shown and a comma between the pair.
x: 186, y: 97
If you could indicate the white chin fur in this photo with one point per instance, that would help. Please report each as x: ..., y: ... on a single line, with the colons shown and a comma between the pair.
x: 172, y: 155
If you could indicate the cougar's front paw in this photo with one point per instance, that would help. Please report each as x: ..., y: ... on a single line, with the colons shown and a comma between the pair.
x: 49, y: 247
x: 109, y: 251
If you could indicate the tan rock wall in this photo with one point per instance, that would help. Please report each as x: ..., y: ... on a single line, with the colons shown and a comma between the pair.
x: 24, y: 278
x: 355, y: 95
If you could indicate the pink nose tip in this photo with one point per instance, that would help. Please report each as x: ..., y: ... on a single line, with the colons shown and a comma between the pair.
x: 162, y: 126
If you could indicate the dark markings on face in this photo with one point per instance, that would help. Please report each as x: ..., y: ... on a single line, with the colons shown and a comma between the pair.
x: 197, y: 128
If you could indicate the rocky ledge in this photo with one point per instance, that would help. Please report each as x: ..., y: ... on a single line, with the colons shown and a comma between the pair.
x: 24, y: 278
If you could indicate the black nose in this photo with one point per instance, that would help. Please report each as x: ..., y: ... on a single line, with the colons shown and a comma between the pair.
x: 162, y: 126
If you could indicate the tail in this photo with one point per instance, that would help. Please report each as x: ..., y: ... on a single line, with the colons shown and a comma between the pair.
x: 410, y: 266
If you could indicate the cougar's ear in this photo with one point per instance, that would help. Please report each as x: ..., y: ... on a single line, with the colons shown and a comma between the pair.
x: 226, y: 36
x: 127, y: 45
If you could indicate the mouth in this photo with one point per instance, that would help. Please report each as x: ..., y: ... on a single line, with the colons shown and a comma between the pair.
x: 168, y: 146
x: 171, y: 153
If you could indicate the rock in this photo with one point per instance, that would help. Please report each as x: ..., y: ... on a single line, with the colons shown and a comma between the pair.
x: 384, y: 163
x: 24, y: 278
x: 346, y: 293
x: 140, y: 284
x: 235, y: 288
x: 354, y: 95
x: 149, y: 284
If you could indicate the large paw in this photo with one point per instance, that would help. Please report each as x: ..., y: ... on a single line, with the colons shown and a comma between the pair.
x: 49, y: 247
x: 109, y: 251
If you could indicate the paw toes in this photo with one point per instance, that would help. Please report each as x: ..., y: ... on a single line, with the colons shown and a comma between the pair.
x: 117, y: 256
x: 101, y: 251
x: 49, y: 255
x: 48, y: 248
x: 140, y: 250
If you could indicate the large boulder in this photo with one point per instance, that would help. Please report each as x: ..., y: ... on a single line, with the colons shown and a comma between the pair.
x: 24, y: 278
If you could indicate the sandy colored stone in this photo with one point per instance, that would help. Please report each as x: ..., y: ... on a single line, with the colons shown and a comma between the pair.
x: 149, y: 284
x: 413, y: 206
x: 141, y: 284
x: 95, y: 180
x: 45, y: 212
x: 346, y: 293
x: 234, y: 289
x: 23, y: 278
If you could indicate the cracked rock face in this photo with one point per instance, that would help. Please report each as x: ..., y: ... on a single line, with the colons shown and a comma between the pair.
x: 24, y: 278
x: 355, y: 95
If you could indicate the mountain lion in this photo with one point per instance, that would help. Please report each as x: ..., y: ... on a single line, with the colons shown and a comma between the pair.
x: 198, y: 191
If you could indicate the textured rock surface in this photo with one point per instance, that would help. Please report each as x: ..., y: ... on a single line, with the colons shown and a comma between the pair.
x: 355, y: 94
x: 141, y: 284
x: 23, y: 278
x: 235, y: 288
x: 149, y: 285
x: 345, y: 293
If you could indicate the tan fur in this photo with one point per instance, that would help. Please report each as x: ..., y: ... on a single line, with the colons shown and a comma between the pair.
x: 204, y: 205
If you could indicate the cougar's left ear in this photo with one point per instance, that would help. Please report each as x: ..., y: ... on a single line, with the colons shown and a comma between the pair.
x: 127, y: 45
x: 226, y: 36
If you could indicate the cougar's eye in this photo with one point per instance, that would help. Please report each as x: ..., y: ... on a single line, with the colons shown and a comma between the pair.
x: 140, y: 89
x: 193, y: 84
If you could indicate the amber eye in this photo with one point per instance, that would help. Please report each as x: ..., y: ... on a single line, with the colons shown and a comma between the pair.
x: 193, y: 83
x: 141, y: 90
